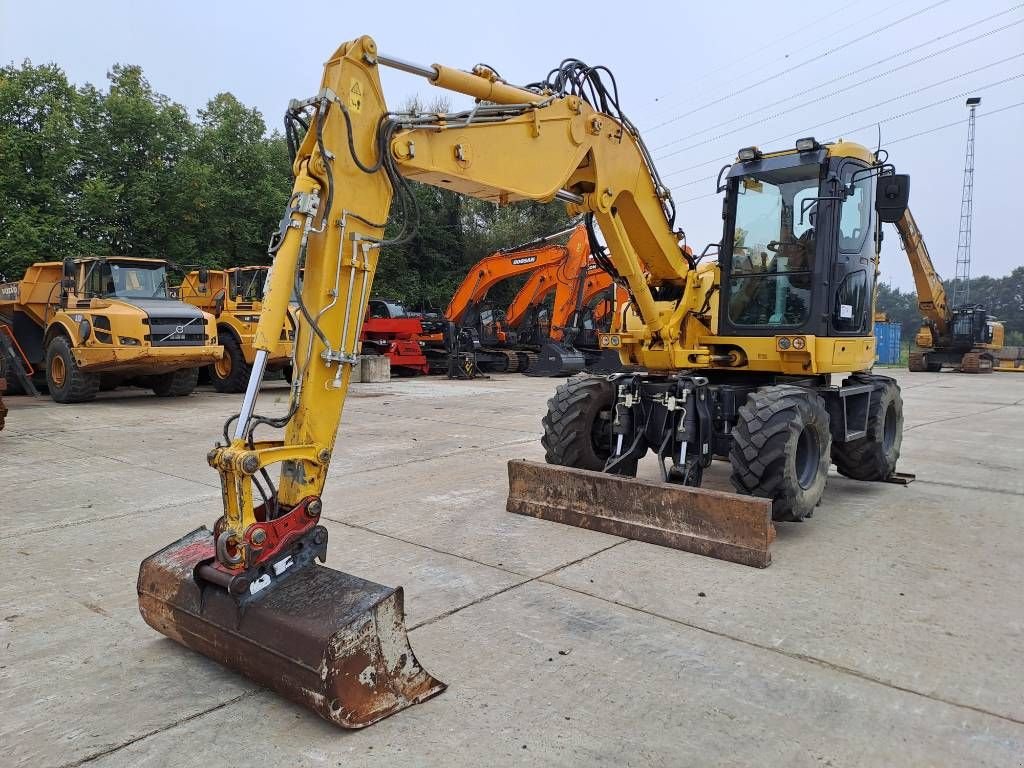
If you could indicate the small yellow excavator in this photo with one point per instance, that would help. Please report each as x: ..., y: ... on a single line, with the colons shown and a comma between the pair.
x: 964, y: 338
x: 763, y: 357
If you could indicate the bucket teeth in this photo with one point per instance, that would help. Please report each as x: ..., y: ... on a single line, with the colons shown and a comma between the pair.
x: 324, y: 639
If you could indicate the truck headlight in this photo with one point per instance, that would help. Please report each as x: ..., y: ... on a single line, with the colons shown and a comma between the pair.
x: 84, y: 329
x: 128, y: 341
x: 249, y: 318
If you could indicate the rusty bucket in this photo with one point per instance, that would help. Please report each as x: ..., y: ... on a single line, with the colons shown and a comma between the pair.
x: 324, y: 639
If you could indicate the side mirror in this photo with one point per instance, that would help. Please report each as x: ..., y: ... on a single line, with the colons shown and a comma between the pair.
x: 69, y: 269
x: 892, y: 197
x: 218, y: 303
x: 204, y: 277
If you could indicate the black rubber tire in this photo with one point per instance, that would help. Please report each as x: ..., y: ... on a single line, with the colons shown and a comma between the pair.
x: 237, y: 378
x: 575, y: 434
x: 874, y: 456
x: 176, y: 383
x: 780, y: 450
x: 78, y: 387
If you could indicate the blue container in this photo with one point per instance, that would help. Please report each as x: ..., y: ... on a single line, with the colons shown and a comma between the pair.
x: 888, y: 342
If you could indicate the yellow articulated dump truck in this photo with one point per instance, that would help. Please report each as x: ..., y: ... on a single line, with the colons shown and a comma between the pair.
x: 103, y: 322
x: 235, y: 298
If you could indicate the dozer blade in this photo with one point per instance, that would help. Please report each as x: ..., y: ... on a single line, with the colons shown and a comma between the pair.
x: 555, y: 360
x: 327, y: 640
x: 713, y: 523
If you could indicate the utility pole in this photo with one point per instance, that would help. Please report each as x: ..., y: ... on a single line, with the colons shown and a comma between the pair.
x: 962, y: 281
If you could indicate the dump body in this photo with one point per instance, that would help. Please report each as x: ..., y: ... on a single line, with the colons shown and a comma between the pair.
x: 114, y: 314
x: 235, y: 298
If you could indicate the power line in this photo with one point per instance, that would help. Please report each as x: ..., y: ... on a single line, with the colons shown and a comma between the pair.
x: 804, y: 63
x: 890, y: 118
x: 852, y: 72
x: 838, y: 91
x: 782, y: 39
x: 954, y: 123
x: 889, y: 143
x: 913, y: 92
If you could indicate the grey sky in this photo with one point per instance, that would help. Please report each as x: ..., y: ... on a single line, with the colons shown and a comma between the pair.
x: 671, y: 64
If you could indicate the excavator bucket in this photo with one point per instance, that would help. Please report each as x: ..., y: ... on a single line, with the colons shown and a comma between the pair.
x: 713, y: 523
x: 556, y: 360
x: 327, y: 640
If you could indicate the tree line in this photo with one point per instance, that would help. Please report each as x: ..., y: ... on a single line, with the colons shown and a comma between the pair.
x: 1003, y: 297
x: 127, y: 171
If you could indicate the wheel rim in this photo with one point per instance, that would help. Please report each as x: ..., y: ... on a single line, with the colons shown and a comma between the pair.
x: 223, y: 366
x: 889, y: 428
x: 58, y: 372
x: 808, y: 456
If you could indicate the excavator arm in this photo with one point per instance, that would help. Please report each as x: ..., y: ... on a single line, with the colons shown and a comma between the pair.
x: 249, y: 593
x: 931, y: 295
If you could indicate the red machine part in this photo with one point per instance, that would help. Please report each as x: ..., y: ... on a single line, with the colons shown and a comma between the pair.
x: 268, y: 538
x: 398, y: 339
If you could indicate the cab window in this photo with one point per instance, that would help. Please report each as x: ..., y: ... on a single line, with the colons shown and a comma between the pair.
x: 855, y: 215
x: 774, y: 248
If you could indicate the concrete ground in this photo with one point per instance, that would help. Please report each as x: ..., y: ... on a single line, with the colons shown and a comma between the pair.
x: 888, y: 631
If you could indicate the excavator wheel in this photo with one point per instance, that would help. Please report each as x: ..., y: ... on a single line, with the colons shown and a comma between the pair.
x: 231, y: 372
x: 577, y: 426
x: 975, y: 362
x: 66, y: 381
x: 780, y: 450
x: 176, y: 383
x: 874, y: 456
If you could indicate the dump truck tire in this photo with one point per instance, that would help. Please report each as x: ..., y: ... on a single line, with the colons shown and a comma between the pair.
x: 65, y: 380
x: 577, y: 426
x: 780, y: 450
x: 231, y: 372
x: 874, y: 456
x: 176, y: 383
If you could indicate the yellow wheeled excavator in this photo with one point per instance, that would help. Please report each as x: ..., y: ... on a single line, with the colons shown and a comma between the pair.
x: 734, y: 359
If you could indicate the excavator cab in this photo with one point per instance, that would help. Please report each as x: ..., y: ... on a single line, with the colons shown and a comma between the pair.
x: 799, y: 242
x: 972, y: 327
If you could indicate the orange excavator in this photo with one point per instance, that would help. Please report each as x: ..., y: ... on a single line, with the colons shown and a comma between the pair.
x: 566, y: 332
x: 475, y: 327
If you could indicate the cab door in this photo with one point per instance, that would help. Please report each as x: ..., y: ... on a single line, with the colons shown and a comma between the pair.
x: 853, y: 269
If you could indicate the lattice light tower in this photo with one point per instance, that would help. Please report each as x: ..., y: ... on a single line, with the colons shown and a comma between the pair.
x: 962, y: 281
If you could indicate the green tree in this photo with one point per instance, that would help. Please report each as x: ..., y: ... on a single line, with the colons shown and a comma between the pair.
x: 41, y: 169
x: 236, y: 182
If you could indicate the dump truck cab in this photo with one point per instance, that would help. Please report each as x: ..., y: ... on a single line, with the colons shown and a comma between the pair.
x: 235, y: 298
x: 107, y: 321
